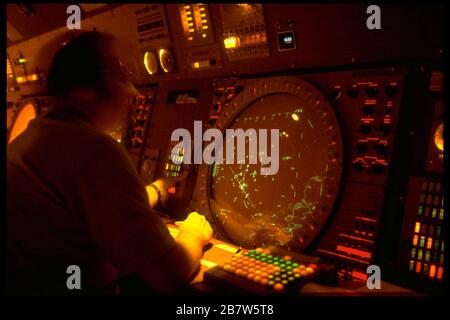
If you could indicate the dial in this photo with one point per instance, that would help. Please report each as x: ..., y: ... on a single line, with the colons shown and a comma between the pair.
x: 439, y: 137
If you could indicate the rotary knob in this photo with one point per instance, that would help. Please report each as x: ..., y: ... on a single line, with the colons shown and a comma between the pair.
x: 217, y: 107
x: 378, y: 168
x: 372, y: 92
x: 368, y: 110
x: 381, y: 148
x: 385, y: 129
x: 353, y: 92
x: 361, y: 147
x: 365, y: 128
x: 336, y: 93
x: 391, y: 90
x: 358, y: 165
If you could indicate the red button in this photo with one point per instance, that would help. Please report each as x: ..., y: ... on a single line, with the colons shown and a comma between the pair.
x: 278, y: 287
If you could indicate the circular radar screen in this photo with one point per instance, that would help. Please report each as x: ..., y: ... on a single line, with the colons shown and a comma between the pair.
x: 290, y: 206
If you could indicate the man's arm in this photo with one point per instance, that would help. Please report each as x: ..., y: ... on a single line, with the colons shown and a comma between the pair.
x: 115, y: 206
x: 157, y: 191
x: 183, y: 260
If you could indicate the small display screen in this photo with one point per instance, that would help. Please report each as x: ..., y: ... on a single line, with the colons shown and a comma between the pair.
x: 286, y: 40
x: 183, y: 96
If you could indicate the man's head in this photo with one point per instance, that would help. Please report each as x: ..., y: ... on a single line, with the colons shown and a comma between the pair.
x: 87, y: 71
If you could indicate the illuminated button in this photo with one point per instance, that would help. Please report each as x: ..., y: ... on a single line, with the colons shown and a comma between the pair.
x: 440, y: 272
x: 415, y: 240
x: 432, y: 273
x: 303, y: 273
x: 413, y: 252
x: 278, y: 287
x: 420, y: 210
x: 422, y: 242
x: 309, y: 270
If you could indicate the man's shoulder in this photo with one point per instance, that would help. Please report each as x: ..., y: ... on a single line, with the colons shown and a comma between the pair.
x: 68, y: 141
x: 78, y: 132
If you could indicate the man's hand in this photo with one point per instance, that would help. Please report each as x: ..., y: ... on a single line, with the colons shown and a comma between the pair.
x: 163, y: 185
x: 197, y: 224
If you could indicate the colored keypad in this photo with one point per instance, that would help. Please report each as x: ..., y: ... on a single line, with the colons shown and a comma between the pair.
x: 426, y: 246
x: 261, y: 267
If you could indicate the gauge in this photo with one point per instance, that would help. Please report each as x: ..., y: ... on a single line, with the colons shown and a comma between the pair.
x: 150, y: 63
x: 439, y: 137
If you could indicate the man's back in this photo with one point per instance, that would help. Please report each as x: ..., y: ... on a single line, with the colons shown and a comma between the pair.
x: 61, y: 171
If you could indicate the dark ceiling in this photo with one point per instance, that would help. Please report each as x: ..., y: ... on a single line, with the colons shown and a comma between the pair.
x: 25, y: 21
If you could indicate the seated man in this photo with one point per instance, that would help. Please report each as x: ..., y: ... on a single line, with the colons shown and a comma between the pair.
x: 74, y: 196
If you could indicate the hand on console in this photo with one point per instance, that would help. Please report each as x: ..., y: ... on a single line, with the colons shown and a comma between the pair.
x: 198, y: 225
x: 158, y: 190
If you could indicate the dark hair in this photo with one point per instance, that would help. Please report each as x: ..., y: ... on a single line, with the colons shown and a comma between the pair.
x: 83, y: 62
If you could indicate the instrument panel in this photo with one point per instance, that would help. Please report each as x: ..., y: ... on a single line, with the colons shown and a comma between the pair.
x: 338, y: 95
